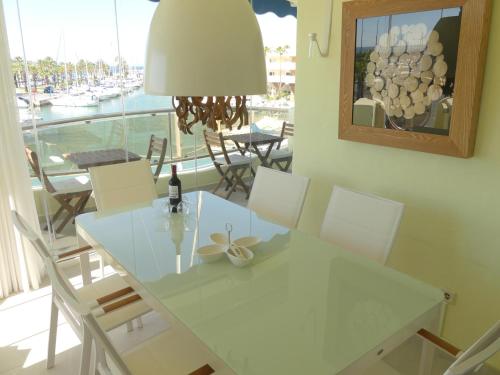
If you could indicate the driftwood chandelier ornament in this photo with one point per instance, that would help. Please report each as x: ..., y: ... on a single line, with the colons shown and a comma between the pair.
x: 407, y: 71
x: 210, y: 110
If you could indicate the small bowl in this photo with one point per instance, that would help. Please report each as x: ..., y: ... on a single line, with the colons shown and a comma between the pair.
x: 248, y: 241
x: 219, y: 238
x: 210, y: 253
x: 240, y: 261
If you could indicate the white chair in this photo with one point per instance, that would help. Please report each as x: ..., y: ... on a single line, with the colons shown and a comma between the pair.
x: 112, y: 300
x: 123, y: 185
x: 363, y: 223
x: 466, y: 363
x: 174, y: 351
x: 474, y: 357
x: 278, y: 196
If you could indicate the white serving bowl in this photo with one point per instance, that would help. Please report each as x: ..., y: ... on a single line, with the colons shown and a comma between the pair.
x: 239, y: 261
x: 211, y: 253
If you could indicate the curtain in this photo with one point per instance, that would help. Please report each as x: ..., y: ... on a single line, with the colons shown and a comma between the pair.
x: 20, y: 266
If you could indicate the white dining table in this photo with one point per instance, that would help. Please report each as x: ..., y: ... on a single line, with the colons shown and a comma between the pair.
x: 303, y: 306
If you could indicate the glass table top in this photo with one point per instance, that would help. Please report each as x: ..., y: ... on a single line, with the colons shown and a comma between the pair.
x: 302, y: 307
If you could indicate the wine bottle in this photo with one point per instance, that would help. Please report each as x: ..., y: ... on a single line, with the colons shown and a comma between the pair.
x: 174, y: 189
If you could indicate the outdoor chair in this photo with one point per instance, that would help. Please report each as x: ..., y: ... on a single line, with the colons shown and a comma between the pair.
x: 282, y: 157
x: 71, y: 192
x: 231, y: 167
x: 158, y: 147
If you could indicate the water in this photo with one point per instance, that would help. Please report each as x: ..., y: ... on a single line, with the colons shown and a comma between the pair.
x: 133, y: 101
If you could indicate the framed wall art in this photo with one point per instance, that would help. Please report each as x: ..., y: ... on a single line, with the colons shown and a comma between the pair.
x: 412, y: 72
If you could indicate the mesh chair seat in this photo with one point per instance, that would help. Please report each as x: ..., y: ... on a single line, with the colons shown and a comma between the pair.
x: 235, y: 160
x: 72, y: 185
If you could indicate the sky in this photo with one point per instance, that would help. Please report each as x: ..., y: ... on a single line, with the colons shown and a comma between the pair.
x: 74, y: 29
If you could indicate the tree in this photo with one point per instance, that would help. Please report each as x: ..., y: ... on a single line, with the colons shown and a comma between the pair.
x: 281, y: 51
x: 34, y: 72
x: 122, y: 65
x: 19, y: 73
x: 47, y: 67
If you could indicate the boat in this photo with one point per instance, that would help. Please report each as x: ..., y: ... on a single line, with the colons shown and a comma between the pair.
x: 21, y: 103
x: 104, y: 93
x: 25, y: 117
x: 76, y: 101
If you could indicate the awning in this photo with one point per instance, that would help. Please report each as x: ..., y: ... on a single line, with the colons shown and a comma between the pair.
x: 281, y: 8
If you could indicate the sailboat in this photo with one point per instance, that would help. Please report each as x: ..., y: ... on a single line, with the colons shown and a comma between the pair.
x: 68, y: 100
x: 77, y: 98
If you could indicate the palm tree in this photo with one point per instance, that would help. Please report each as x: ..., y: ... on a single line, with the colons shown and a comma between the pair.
x: 281, y: 51
x: 123, y: 65
x: 47, y: 68
x: 34, y: 72
x: 18, y: 71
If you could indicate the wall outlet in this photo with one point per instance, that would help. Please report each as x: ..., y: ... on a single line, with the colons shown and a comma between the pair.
x: 449, y: 296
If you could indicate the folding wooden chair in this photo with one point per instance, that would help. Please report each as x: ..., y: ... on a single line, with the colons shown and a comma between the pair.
x: 157, y: 146
x: 72, y: 192
x: 231, y: 167
x: 282, y: 158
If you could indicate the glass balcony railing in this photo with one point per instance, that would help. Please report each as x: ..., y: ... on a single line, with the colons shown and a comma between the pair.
x: 132, y: 132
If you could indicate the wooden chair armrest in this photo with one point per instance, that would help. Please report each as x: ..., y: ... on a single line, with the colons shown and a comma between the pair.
x: 65, y: 255
x: 203, y: 370
x: 439, y: 342
x: 123, y: 302
x: 112, y: 296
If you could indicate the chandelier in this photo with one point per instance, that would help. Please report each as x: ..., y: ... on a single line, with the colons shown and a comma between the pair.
x: 208, y: 56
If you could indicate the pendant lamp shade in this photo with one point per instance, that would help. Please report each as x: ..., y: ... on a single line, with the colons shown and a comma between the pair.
x: 205, y: 48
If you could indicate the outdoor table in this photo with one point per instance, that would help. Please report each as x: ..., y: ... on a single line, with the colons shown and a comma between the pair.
x: 255, y: 140
x: 87, y: 159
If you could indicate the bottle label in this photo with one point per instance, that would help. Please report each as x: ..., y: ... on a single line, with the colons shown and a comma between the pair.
x: 173, y: 192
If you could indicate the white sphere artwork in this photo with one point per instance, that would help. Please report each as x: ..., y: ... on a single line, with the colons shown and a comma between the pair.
x: 407, y: 70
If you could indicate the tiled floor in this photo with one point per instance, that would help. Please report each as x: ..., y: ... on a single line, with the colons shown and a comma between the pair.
x: 24, y: 323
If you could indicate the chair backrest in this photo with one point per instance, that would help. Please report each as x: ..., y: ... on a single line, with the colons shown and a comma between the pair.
x: 483, y: 349
x: 25, y: 229
x: 287, y: 130
x: 213, y: 139
x: 278, y: 196
x: 121, y: 186
x: 157, y: 146
x: 64, y: 292
x: 363, y: 223
x: 38, y: 170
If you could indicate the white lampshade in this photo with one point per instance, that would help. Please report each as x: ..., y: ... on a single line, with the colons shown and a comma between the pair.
x: 205, y: 48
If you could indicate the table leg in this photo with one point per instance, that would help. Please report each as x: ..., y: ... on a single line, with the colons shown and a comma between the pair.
x: 85, y: 268
x: 262, y: 158
x: 428, y: 350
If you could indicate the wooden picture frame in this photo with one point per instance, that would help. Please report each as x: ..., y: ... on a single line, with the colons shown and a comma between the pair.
x: 470, y: 61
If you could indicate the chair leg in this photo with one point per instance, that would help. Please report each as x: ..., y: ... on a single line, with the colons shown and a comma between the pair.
x: 86, y: 352
x: 54, y: 315
x: 100, y: 358
x: 139, y: 322
x: 239, y: 181
x: 55, y: 217
x: 130, y: 326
